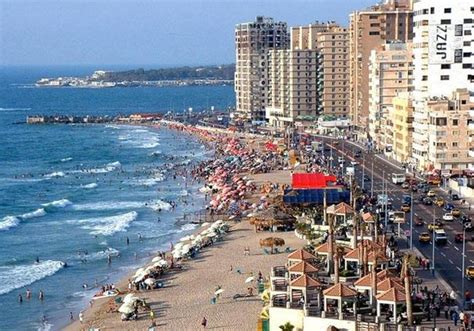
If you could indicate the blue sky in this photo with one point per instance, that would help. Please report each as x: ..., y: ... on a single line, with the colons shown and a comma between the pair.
x: 143, y: 32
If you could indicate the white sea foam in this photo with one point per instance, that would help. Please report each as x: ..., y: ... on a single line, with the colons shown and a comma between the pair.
x: 100, y: 255
x: 58, y: 203
x: 12, y: 108
x: 9, y: 222
x: 184, y: 193
x: 159, y: 205
x: 45, y: 327
x: 108, y: 168
x: 150, y: 145
x: 55, y: 174
x: 188, y: 227
x: 147, y: 181
x: 37, y: 213
x: 14, y: 277
x: 107, y: 226
x: 155, y: 153
x: 66, y: 159
x: 89, y: 186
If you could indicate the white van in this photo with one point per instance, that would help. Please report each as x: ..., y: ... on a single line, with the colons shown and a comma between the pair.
x: 440, y: 237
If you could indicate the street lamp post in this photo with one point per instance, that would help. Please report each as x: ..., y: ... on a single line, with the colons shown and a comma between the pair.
x: 411, y: 220
x: 372, y: 181
x: 363, y: 172
x: 386, y: 201
x: 463, y: 264
x: 433, y: 242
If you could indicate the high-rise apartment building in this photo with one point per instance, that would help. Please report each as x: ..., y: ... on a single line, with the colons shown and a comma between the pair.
x: 401, y: 116
x: 310, y: 78
x: 443, y: 48
x: 253, y: 42
x: 333, y: 72
x: 390, y: 74
x: 369, y: 29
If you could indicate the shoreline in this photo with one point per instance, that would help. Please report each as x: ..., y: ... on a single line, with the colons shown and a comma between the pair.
x: 175, y: 282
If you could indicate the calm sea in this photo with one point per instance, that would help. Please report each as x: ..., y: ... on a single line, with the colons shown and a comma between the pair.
x: 73, y: 194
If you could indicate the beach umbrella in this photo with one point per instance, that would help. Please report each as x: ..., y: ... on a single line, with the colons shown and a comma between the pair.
x: 249, y: 279
x: 130, y: 298
x: 139, y: 272
x: 126, y: 308
x: 162, y: 263
x: 219, y: 291
x: 156, y: 259
x: 150, y: 281
x: 271, y: 242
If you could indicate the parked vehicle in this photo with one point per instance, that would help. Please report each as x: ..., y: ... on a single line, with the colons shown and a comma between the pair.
x: 405, y: 207
x: 448, y: 207
x: 434, y: 180
x: 439, y: 202
x: 431, y: 194
x: 427, y: 201
x: 470, y: 272
x: 458, y: 237
x: 456, y: 212
x: 405, y: 185
x: 455, y: 197
x: 419, y: 221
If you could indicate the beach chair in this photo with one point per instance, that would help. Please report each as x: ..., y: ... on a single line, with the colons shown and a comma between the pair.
x: 266, y: 252
x: 276, y: 250
x: 288, y: 250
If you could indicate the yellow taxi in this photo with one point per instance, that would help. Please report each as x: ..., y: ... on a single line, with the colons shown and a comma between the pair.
x: 435, y: 226
x: 456, y: 212
x: 424, y: 237
x: 405, y: 207
x: 470, y: 272
x: 431, y: 193
x: 439, y: 202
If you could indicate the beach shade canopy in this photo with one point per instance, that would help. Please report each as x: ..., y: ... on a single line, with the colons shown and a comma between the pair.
x: 150, y: 281
x: 219, y: 291
x: 126, y: 308
x: 156, y: 259
x: 130, y: 298
x: 249, y: 279
x: 311, y: 180
x: 271, y: 242
x: 334, y: 195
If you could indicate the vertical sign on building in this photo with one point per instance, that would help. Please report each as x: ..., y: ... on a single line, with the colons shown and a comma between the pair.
x: 445, y: 43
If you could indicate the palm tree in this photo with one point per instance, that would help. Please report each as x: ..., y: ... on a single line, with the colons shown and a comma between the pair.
x: 405, y: 274
x: 287, y: 327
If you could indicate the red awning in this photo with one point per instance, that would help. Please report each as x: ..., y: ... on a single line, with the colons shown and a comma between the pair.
x: 316, y: 180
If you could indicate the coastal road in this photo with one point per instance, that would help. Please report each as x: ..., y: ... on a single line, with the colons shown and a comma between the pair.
x: 448, y: 258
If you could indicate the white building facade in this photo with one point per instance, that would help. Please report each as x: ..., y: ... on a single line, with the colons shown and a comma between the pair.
x: 443, y: 47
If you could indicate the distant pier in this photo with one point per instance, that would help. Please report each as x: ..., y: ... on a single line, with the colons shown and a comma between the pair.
x: 70, y: 119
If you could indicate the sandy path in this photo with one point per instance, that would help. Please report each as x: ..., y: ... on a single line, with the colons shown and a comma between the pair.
x: 185, y: 300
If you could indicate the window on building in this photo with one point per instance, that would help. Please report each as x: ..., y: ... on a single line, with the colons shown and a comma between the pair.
x: 455, y: 122
x: 445, y: 21
x: 424, y: 78
x: 445, y: 66
x: 444, y: 77
x: 467, y: 32
x: 374, y: 33
x: 455, y: 144
x: 447, y: 10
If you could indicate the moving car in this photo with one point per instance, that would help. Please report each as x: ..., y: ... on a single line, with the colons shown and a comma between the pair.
x: 340, y: 159
x: 448, y: 217
x: 468, y: 227
x: 405, y: 207
x: 465, y: 219
x: 431, y: 194
x: 366, y: 178
x: 354, y: 163
x: 398, y: 178
x: 456, y: 212
x: 424, y: 237
x: 414, y: 188
x: 448, y: 207
x: 435, y: 226
x: 405, y: 185
x: 470, y: 272
x: 440, y: 237
x: 427, y: 201
x: 455, y: 197
x: 458, y: 237
x: 439, y: 202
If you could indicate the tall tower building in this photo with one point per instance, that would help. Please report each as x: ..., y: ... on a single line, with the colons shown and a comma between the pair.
x: 390, y: 75
x: 369, y: 29
x: 253, y: 41
x: 310, y: 78
x: 443, y: 48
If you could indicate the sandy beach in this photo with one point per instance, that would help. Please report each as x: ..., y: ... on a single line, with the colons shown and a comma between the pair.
x: 185, y: 299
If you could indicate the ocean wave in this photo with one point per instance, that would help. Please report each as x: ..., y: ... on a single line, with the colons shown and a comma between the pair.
x: 58, y: 203
x: 89, y: 186
x: 107, y: 226
x: 55, y: 174
x: 155, y: 153
x: 146, y: 181
x: 37, y: 213
x: 109, y: 167
x: 188, y: 227
x: 9, y: 222
x: 159, y: 205
x: 100, y: 255
x: 150, y: 145
x: 184, y: 193
x: 66, y: 159
x: 13, y: 108
x: 12, y: 278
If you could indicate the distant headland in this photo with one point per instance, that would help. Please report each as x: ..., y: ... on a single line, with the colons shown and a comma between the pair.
x: 179, y: 76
